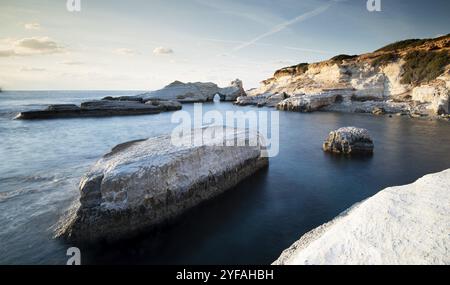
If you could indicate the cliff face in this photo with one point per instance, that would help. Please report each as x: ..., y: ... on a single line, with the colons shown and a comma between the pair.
x: 411, y: 76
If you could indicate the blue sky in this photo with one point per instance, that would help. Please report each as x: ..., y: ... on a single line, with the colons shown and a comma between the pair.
x: 138, y: 44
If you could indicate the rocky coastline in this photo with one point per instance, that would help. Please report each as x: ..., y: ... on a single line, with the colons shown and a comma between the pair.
x: 170, y: 98
x: 410, y: 77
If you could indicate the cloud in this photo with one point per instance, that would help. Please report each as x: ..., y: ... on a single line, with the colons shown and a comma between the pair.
x: 32, y: 69
x: 32, y: 26
x: 31, y: 46
x: 126, y: 51
x: 284, y: 25
x: 268, y: 45
x: 162, y: 50
x: 72, y: 62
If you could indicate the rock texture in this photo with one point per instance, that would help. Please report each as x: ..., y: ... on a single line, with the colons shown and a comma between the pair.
x: 409, y: 77
x: 143, y: 183
x: 399, y: 225
x: 101, y: 108
x: 195, y: 92
x: 349, y: 140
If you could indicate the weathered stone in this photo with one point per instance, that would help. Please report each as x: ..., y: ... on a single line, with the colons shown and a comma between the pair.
x: 306, y: 103
x: 166, y: 105
x: 63, y: 107
x: 378, y: 111
x: 141, y: 184
x: 196, y: 92
x: 406, y: 225
x: 99, y: 108
x: 349, y: 140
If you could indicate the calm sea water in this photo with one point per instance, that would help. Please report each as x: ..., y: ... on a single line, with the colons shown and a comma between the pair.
x: 42, y: 162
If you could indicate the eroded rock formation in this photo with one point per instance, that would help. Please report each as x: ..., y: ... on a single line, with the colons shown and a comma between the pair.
x: 408, y: 77
x: 143, y: 183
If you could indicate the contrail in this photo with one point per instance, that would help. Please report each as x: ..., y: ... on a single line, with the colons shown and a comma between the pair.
x: 286, y: 24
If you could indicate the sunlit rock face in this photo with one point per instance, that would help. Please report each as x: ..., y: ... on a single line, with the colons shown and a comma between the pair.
x: 141, y: 184
x: 387, y: 78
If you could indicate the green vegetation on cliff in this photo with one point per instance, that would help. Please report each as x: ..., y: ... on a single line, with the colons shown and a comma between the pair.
x: 422, y: 66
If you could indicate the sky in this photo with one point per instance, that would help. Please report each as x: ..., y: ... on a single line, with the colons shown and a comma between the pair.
x: 146, y: 44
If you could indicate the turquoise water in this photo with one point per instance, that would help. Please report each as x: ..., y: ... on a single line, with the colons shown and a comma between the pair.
x: 42, y: 162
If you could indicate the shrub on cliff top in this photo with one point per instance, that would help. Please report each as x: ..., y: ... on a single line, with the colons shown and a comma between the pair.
x: 341, y: 57
x: 291, y: 70
x: 421, y: 66
x: 403, y: 44
x: 384, y: 59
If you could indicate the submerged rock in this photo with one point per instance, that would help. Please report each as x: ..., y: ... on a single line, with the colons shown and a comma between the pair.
x: 143, y: 183
x: 399, y: 225
x: 349, y: 140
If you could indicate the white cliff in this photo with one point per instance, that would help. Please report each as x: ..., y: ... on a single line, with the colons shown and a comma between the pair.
x: 400, y: 225
x: 411, y: 76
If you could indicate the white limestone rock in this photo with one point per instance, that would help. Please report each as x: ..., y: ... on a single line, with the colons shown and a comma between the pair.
x: 141, y: 184
x: 399, y: 225
x: 195, y: 92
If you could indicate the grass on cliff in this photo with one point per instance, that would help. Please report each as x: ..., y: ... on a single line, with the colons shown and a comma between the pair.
x: 421, y: 66
x: 403, y: 44
x: 384, y: 59
x: 341, y: 57
x: 295, y: 69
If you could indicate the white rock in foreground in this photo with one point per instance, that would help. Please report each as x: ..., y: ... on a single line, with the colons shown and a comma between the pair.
x: 400, y: 225
x: 140, y: 184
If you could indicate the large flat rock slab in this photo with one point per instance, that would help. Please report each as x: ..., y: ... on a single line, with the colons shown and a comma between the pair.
x: 400, y: 225
x: 98, y: 108
x: 144, y: 183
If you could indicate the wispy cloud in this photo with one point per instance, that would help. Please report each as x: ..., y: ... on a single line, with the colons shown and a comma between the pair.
x: 32, y: 69
x: 240, y: 10
x: 162, y: 50
x: 126, y: 51
x: 284, y: 25
x: 319, y: 51
x: 72, y: 62
x: 32, y: 26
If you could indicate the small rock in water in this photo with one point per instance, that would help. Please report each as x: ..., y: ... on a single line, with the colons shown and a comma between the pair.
x: 378, y: 111
x: 349, y: 140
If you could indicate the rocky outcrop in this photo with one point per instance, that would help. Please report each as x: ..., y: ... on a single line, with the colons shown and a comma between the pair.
x: 349, y: 140
x: 268, y: 100
x: 143, y: 183
x: 100, y: 108
x: 406, y: 77
x: 195, y: 92
x: 399, y: 225
x: 306, y: 103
